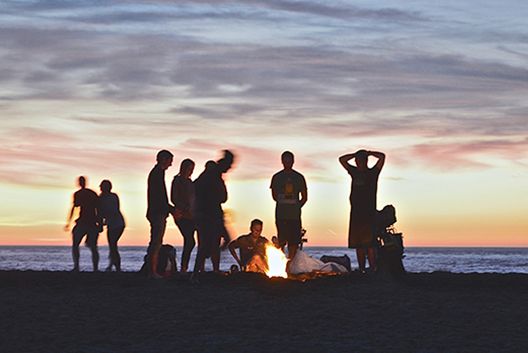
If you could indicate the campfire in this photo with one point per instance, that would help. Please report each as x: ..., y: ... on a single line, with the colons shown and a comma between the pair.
x: 276, y: 262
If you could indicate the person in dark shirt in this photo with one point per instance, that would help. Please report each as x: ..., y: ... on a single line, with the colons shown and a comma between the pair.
x: 182, y: 196
x: 211, y: 193
x: 158, y: 209
x: 113, y: 219
x: 88, y: 224
x: 286, y: 187
x: 363, y: 196
x: 252, y: 249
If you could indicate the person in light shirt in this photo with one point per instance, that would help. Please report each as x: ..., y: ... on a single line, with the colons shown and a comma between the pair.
x: 289, y: 191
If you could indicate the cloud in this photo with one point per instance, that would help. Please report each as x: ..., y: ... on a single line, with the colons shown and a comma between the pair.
x: 43, y: 157
x: 466, y: 155
x: 162, y: 74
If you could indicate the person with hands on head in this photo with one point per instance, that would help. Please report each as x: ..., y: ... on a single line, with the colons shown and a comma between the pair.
x: 363, y: 198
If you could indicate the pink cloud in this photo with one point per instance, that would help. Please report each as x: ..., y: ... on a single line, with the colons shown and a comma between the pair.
x: 462, y: 155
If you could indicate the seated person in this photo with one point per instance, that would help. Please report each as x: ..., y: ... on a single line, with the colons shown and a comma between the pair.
x: 252, y: 249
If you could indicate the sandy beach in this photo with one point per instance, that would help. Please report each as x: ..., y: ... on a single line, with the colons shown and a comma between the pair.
x: 105, y: 312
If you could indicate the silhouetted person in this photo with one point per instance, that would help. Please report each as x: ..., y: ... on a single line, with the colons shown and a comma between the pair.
x: 158, y: 208
x: 114, y: 221
x: 211, y: 193
x: 252, y: 249
x: 224, y: 164
x: 363, y: 204
x: 88, y: 224
x: 288, y: 189
x: 182, y: 196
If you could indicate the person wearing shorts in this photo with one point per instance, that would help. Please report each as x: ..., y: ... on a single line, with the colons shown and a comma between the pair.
x: 288, y: 189
x: 158, y: 209
x: 88, y: 224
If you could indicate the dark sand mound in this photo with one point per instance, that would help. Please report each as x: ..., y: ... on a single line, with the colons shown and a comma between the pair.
x: 105, y: 312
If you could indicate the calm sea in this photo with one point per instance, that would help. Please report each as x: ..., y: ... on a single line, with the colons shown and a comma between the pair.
x: 461, y: 260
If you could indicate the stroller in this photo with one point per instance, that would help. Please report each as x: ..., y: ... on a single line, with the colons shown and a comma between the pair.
x: 390, y: 243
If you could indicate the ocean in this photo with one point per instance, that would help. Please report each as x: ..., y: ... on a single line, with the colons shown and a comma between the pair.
x: 417, y: 259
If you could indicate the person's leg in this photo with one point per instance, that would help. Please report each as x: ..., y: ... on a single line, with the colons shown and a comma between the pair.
x: 371, y: 253
x: 157, y: 230
x: 117, y: 260
x: 215, y: 234
x: 215, y: 254
x: 109, y: 237
x: 77, y: 236
x: 292, y: 249
x: 360, y: 253
x: 199, y: 261
x: 294, y: 237
x: 281, y: 233
x: 91, y: 241
x: 186, y: 228
x: 113, y: 237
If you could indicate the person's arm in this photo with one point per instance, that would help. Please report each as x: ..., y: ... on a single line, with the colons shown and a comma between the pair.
x: 68, y: 220
x: 232, y: 249
x: 345, y: 158
x: 304, y: 193
x: 304, y: 197
x: 380, y: 156
x: 273, y: 188
x: 174, y: 192
x: 222, y: 191
x: 99, y: 214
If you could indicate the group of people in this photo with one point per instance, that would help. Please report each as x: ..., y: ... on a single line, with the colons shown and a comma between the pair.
x: 95, y: 212
x: 196, y: 206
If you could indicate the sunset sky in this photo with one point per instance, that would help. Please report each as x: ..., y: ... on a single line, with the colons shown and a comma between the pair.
x: 96, y: 88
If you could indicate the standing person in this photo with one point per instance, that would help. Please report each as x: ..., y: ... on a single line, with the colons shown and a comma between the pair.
x: 113, y: 219
x: 88, y: 223
x: 224, y: 164
x: 211, y: 193
x: 182, y: 196
x: 158, y: 209
x: 363, y: 195
x: 288, y: 189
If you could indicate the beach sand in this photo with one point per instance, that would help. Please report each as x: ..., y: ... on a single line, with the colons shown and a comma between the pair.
x: 108, y: 312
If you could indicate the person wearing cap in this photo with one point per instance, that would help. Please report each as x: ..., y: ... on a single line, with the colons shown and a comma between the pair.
x: 363, y: 204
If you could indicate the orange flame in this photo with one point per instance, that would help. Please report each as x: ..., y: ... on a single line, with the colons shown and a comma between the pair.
x: 276, y: 261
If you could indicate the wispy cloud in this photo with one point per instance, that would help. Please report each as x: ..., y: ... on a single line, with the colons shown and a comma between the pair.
x: 172, y: 75
x: 477, y: 154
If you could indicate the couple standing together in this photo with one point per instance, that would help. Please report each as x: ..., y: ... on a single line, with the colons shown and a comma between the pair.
x: 96, y: 211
